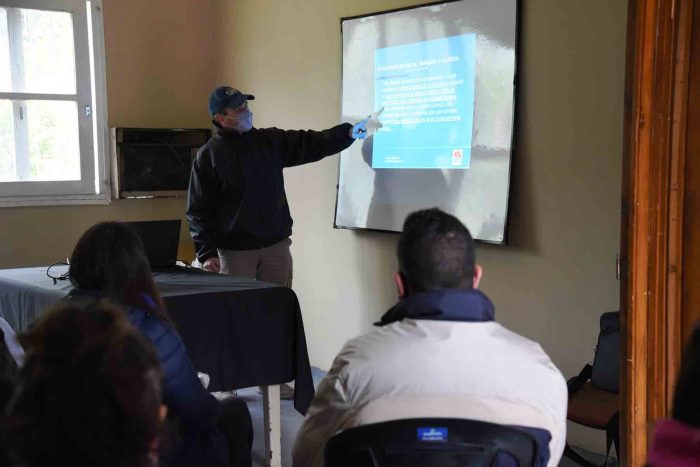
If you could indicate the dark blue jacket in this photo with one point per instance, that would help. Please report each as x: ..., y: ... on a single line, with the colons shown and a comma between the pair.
x: 196, y: 410
x: 182, y: 390
x: 236, y: 197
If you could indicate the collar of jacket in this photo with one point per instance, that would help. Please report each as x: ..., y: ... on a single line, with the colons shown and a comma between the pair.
x: 221, y: 132
x: 442, y: 305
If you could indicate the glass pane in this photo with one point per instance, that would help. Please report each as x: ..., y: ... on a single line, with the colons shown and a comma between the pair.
x: 37, y: 52
x: 54, y: 148
x: 7, y: 142
x: 49, y: 53
x: 5, y: 81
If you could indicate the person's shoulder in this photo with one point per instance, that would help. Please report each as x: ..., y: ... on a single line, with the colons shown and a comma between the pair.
x: 388, y: 335
x: 498, y: 331
x: 139, y: 318
x: 355, y: 353
x: 206, y: 147
x: 271, y: 133
x: 526, y: 348
x: 204, y: 152
x: 150, y: 325
x: 264, y: 135
x: 369, y: 345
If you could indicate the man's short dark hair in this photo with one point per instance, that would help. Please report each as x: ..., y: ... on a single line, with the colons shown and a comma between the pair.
x: 436, y: 251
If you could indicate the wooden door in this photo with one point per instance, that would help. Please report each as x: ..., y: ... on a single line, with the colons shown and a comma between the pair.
x: 691, y: 189
x: 660, y: 243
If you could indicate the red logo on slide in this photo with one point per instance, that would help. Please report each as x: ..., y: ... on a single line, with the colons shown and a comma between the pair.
x: 457, y: 156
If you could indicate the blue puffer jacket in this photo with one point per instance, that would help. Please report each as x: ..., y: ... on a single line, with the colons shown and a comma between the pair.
x: 200, y: 441
x: 183, y: 392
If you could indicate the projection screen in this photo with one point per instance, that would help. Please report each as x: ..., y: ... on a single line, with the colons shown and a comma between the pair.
x: 439, y: 83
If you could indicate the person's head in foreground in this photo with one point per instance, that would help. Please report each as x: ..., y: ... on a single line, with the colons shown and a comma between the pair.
x: 677, y: 441
x: 88, y: 394
x: 228, y: 108
x: 437, y: 270
x: 110, y: 260
x: 435, y: 252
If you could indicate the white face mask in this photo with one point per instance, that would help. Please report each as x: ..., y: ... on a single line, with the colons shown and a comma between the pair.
x: 244, y: 121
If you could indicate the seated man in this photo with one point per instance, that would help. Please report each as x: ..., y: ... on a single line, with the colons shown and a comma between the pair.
x: 437, y: 353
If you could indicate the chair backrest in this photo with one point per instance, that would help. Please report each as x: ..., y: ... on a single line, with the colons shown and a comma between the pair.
x: 605, y: 373
x: 432, y: 442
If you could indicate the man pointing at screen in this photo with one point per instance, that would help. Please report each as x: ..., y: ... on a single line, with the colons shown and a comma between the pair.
x: 237, y: 206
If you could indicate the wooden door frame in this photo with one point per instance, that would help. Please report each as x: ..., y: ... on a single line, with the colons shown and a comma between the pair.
x: 656, y: 96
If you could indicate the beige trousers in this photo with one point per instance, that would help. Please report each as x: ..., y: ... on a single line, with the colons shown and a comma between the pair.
x: 270, y: 264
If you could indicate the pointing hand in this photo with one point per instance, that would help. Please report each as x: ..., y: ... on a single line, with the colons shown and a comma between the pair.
x: 359, y: 130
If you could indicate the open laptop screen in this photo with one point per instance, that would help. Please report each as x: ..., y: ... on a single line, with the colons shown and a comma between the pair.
x: 161, y: 240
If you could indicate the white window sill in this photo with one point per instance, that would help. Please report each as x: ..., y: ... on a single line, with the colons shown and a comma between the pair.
x: 54, y: 200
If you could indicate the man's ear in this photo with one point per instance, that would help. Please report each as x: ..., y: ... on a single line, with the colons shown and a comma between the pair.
x: 400, y: 282
x: 478, y: 274
x: 220, y: 119
x: 162, y: 412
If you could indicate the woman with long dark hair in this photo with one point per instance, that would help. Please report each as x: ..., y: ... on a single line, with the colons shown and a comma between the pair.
x: 89, y: 393
x: 109, y: 260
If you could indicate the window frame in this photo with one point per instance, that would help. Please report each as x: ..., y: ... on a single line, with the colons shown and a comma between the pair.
x: 90, y: 91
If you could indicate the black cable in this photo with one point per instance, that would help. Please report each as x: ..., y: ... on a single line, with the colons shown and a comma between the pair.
x: 60, y: 277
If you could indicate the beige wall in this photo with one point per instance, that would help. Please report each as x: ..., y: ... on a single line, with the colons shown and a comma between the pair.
x: 558, y: 274
x: 159, y: 74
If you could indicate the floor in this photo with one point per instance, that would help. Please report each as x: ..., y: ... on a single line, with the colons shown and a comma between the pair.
x: 291, y: 421
x: 597, y: 459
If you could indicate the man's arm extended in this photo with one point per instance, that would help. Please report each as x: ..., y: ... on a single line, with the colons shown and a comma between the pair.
x: 304, y: 146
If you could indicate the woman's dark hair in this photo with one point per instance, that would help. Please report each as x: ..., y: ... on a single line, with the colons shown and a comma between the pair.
x: 89, y: 392
x: 686, y: 399
x: 109, y: 258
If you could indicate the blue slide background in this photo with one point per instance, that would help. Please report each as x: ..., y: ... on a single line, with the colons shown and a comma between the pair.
x: 425, y: 144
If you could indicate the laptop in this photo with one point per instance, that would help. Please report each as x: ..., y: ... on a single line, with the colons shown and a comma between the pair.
x: 161, y: 240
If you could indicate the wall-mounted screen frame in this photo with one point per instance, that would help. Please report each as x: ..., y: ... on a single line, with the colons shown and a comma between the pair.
x: 439, y: 80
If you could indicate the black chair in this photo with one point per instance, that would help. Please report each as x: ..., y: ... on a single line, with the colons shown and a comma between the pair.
x: 433, y: 442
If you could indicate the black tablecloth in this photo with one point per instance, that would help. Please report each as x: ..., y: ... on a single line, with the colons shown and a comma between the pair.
x: 241, y: 332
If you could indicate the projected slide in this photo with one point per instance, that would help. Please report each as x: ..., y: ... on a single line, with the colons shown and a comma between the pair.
x: 427, y: 92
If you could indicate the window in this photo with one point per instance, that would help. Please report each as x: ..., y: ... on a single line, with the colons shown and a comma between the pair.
x: 52, y: 102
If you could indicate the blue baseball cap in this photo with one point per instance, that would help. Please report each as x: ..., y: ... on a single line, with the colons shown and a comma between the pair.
x: 226, y: 96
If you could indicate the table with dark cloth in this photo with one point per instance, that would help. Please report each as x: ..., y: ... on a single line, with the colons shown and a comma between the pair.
x: 239, y: 331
